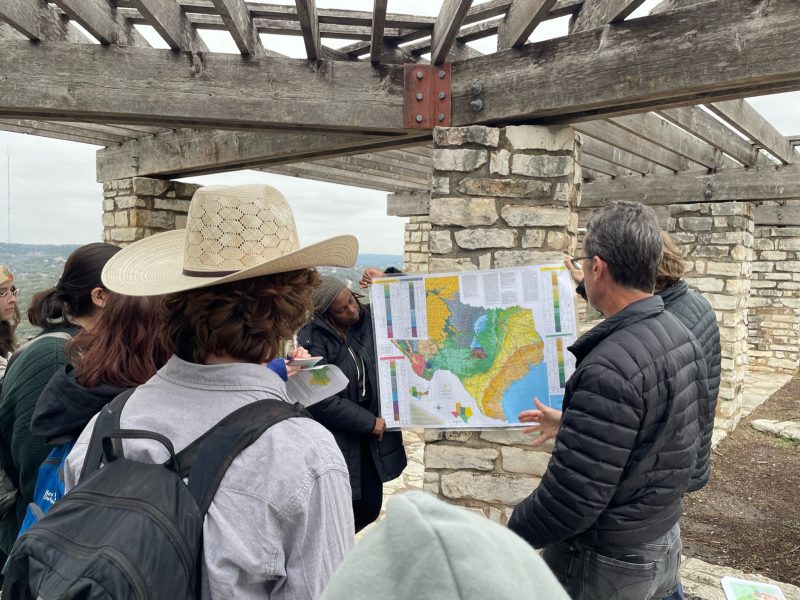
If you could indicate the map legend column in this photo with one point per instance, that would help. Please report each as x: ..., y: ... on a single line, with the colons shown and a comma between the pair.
x: 387, y: 297
x: 395, y: 391
x: 562, y: 374
x: 556, y: 302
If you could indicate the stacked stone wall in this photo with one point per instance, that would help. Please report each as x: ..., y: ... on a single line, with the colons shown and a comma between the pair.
x: 717, y: 245
x: 415, y: 249
x: 774, y: 307
x: 138, y: 207
x: 500, y: 198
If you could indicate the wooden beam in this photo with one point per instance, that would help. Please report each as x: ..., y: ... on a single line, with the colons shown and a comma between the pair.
x: 37, y: 21
x: 749, y: 121
x: 166, y: 17
x: 602, y: 166
x: 667, y: 135
x: 596, y: 13
x: 329, y: 174
x: 378, y: 24
x: 451, y: 15
x: 197, y: 152
x: 698, y: 122
x: 408, y: 204
x: 522, y: 18
x: 671, y: 59
x: 783, y: 213
x: 240, y: 25
x: 48, y: 130
x: 100, y: 18
x: 622, y: 158
x: 160, y: 88
x: 616, y: 136
x: 756, y: 184
x: 307, y: 15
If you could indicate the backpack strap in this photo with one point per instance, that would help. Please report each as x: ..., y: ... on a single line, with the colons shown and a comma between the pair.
x: 214, y: 451
x: 107, y: 422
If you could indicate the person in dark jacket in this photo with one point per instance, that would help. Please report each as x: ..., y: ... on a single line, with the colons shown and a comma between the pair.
x: 341, y: 332
x: 61, y: 310
x: 695, y: 312
x: 607, y: 509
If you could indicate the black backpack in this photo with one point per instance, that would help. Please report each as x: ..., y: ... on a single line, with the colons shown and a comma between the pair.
x: 133, y: 530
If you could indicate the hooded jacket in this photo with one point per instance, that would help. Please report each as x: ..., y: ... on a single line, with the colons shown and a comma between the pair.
x: 351, y: 414
x: 629, y: 434
x: 65, y: 406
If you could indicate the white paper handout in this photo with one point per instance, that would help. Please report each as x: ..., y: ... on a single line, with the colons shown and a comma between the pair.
x: 310, y: 385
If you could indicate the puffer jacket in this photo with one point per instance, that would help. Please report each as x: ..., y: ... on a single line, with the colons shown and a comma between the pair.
x: 350, y: 416
x: 629, y: 434
x: 696, y: 313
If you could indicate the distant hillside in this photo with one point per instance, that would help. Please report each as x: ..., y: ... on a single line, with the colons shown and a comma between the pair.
x: 38, y: 267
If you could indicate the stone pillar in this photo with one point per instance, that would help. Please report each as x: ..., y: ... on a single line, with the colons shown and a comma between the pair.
x: 138, y: 207
x: 717, y: 244
x: 500, y: 198
x: 774, y: 307
x: 415, y: 247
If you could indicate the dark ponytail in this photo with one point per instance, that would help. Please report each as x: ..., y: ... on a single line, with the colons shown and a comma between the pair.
x: 71, y: 296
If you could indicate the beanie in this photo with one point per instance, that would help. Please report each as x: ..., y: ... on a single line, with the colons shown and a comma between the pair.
x: 425, y: 549
x: 326, y: 293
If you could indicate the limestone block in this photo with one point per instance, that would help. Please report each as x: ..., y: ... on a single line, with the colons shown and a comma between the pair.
x: 737, y: 286
x: 729, y: 208
x: 458, y: 136
x: 507, y: 188
x: 706, y: 284
x: 791, y: 244
x: 443, y: 456
x: 446, y: 265
x: 683, y: 237
x: 499, y: 162
x: 508, y: 436
x: 440, y: 242
x: 126, y: 234
x: 466, y: 212
x: 729, y: 237
x: 541, y: 137
x: 504, y: 259
x: 785, y: 232
x: 145, y: 186
x: 119, y: 184
x: 152, y: 218
x: 488, y: 487
x: 721, y: 268
x: 763, y: 244
x: 180, y: 221
x: 557, y: 240
x: 533, y: 238
x: 125, y: 202
x: 458, y: 436
x: 518, y: 215
x: 741, y: 253
x: 696, y: 223
x: 566, y: 193
x: 472, y: 239
x: 531, y: 462
x: 121, y: 218
x: 485, y: 261
x: 463, y: 160
x: 721, y: 301
x: 108, y: 204
x: 440, y: 185
x: 185, y: 191
x: 542, y: 166
x: 176, y: 205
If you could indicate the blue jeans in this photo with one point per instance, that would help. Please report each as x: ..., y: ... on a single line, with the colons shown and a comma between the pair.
x: 637, y: 572
x: 678, y: 595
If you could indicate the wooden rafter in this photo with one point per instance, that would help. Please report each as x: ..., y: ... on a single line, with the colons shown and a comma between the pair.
x: 616, y: 136
x: 35, y: 20
x: 378, y: 24
x: 445, y: 30
x: 596, y: 13
x: 620, y: 157
x: 748, y: 120
x: 237, y: 19
x: 309, y: 24
x: 522, y: 18
x: 332, y: 174
x: 100, y: 18
x: 171, y: 24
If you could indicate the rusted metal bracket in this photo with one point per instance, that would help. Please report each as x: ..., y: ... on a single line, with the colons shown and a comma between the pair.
x: 426, y: 96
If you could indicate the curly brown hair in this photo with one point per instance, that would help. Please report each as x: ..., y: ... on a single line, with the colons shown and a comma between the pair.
x: 8, y: 338
x: 671, y: 267
x: 249, y: 320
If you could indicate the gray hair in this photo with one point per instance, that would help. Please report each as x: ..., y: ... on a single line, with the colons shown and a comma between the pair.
x: 627, y: 237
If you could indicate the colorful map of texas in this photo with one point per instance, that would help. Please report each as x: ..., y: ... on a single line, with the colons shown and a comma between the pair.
x: 488, y: 349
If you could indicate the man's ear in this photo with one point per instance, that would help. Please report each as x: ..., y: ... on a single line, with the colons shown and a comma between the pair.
x: 99, y: 297
x: 599, y: 266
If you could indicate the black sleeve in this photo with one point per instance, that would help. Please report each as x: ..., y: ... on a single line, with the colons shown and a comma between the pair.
x: 581, y: 290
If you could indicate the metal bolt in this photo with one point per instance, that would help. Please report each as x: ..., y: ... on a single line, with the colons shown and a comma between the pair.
x: 477, y: 88
x: 477, y: 105
x: 440, y: 117
x: 442, y: 95
x: 420, y: 74
x: 442, y: 74
x: 419, y: 118
x: 419, y: 95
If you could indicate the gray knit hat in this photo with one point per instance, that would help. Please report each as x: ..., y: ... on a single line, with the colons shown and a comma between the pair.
x: 326, y: 293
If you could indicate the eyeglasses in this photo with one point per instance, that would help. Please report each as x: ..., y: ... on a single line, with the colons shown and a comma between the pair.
x: 576, y: 262
x: 13, y: 291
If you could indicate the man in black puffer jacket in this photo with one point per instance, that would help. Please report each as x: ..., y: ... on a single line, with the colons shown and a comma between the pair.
x: 607, y: 509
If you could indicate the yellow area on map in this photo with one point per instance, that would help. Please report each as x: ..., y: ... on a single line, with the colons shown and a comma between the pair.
x: 521, y: 347
x: 437, y: 290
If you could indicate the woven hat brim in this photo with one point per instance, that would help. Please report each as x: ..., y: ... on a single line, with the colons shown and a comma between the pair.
x: 154, y: 266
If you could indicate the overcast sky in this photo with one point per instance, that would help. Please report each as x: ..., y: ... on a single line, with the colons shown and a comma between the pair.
x: 55, y: 199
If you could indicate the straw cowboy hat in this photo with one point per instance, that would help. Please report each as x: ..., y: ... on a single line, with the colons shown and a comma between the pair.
x: 232, y: 233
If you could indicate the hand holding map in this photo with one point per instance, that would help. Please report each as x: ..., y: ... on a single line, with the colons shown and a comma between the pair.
x: 311, y: 385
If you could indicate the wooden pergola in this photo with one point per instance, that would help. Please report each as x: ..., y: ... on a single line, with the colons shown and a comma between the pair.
x: 657, y: 99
